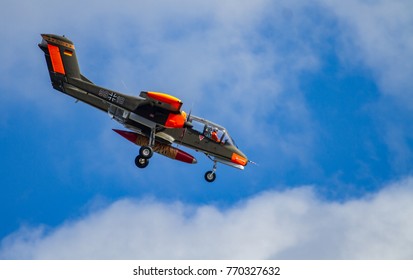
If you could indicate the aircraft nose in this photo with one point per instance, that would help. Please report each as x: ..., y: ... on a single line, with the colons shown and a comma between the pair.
x: 239, y: 157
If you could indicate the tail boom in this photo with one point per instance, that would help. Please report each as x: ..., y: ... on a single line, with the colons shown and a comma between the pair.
x: 65, y: 76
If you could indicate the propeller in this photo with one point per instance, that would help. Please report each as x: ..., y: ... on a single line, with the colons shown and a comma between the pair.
x: 187, y: 124
x: 250, y: 161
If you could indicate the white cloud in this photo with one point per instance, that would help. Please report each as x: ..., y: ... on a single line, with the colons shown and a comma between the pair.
x: 293, y: 224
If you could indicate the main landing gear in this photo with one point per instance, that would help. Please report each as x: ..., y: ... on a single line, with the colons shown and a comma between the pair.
x: 142, y: 160
x: 210, y: 176
x: 146, y: 152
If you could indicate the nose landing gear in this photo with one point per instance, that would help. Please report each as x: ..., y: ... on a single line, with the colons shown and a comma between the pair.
x: 210, y: 176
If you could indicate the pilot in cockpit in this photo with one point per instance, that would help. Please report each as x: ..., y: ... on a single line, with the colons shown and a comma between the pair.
x: 211, y: 133
x: 214, y: 135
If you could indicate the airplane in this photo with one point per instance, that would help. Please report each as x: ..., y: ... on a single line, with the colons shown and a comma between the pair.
x: 154, y: 120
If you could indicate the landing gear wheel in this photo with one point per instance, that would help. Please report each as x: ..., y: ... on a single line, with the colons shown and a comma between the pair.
x: 210, y: 176
x: 141, y: 162
x: 146, y: 152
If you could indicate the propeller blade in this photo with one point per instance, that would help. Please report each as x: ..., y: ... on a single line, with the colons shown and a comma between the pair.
x: 250, y: 161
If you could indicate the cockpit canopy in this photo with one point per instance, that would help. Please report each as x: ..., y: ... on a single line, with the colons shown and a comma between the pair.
x: 211, y: 130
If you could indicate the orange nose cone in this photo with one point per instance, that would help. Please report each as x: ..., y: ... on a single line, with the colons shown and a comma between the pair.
x: 239, y: 159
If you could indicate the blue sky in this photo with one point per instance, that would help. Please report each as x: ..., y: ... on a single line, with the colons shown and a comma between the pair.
x: 319, y: 95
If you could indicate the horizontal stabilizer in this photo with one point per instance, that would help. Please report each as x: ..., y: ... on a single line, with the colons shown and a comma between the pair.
x: 85, y: 79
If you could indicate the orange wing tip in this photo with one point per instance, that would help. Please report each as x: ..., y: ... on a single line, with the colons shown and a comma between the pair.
x: 239, y: 159
x: 166, y: 98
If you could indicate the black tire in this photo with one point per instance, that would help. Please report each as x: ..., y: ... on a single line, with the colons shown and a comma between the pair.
x: 210, y: 176
x: 146, y: 152
x: 141, y: 162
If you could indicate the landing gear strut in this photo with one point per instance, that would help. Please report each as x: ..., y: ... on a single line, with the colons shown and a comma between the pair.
x: 146, y: 152
x: 210, y: 176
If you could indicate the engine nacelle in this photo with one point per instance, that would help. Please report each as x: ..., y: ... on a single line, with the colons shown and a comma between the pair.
x: 172, y: 102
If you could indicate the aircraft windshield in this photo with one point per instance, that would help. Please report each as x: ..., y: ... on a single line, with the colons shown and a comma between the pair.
x: 211, y: 130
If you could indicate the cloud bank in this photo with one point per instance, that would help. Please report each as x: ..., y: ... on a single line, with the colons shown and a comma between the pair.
x: 293, y: 224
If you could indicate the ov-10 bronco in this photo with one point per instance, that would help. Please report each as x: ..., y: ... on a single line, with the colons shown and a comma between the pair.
x: 154, y: 120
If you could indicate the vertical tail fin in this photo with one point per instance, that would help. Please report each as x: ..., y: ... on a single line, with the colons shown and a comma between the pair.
x: 61, y: 59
